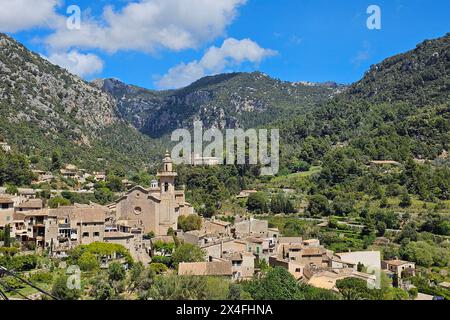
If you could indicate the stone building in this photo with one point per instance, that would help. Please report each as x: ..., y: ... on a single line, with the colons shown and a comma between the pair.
x: 30, y: 205
x: 6, y: 210
x: 399, y: 267
x: 75, y: 225
x: 156, y: 209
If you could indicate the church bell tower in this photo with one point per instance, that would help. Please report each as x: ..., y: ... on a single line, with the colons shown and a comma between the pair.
x: 167, y: 176
x: 168, y: 217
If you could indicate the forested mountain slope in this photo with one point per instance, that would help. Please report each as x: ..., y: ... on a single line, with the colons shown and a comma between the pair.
x: 45, y: 109
x: 400, y: 109
x: 224, y: 101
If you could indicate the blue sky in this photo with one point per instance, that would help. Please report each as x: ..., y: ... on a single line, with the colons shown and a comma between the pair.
x: 294, y: 40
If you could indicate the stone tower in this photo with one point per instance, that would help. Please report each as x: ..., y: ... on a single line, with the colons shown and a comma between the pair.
x: 168, y: 217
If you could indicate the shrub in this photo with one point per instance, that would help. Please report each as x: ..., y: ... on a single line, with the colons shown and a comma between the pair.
x: 88, y: 262
x: 158, y: 268
x: 43, y: 277
x: 190, y: 223
x: 61, y: 290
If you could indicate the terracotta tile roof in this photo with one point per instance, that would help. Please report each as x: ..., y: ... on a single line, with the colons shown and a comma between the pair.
x: 165, y: 239
x: 234, y: 256
x: 293, y: 246
x: 255, y: 240
x: 92, y: 214
x: 313, y: 252
x: 37, y: 213
x: 19, y: 216
x: 311, y: 241
x: 397, y: 262
x: 6, y: 199
x: 217, y: 268
x: 31, y: 204
x: 290, y: 240
x: 117, y: 235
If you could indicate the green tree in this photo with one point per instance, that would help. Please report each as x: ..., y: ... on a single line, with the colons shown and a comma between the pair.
x: 116, y: 272
x: 408, y: 233
x: 381, y: 228
x: 258, y: 203
x: 237, y: 293
x: 88, y: 262
x: 189, y: 223
x: 7, y: 236
x: 11, y: 189
x: 141, y: 279
x: 353, y: 289
x: 405, y: 201
x: 61, y: 290
x: 115, y: 184
x: 425, y: 254
x: 384, y: 202
x: 318, y: 205
x: 158, y: 268
x: 104, y: 195
x: 101, y: 288
x: 14, y: 169
x: 187, y: 253
x: 396, y: 294
x: 173, y: 287
x: 277, y: 284
x: 56, y: 160
x: 58, y: 201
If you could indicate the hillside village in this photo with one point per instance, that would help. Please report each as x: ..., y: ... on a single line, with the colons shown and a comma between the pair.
x: 362, y: 197
x: 145, y: 222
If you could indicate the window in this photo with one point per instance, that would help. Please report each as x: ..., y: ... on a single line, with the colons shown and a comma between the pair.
x: 96, y: 234
x: 5, y: 206
x: 166, y: 187
x: 298, y: 270
x: 85, y: 234
x: 137, y: 211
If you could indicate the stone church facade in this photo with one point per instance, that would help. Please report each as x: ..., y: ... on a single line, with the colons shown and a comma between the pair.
x: 155, y: 209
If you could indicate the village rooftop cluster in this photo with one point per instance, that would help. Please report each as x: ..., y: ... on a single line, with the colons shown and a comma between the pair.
x: 234, y: 250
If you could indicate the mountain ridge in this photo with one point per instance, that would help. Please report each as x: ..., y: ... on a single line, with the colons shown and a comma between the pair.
x: 223, y: 101
x: 45, y: 109
x: 398, y: 110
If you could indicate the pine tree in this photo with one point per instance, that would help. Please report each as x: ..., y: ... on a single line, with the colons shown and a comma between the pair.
x: 7, y: 236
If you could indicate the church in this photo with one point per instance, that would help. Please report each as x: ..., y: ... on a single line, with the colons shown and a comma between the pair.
x: 155, y: 209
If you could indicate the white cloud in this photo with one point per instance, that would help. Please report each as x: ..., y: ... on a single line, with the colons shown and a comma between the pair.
x: 362, y: 55
x: 18, y: 15
x: 232, y: 52
x: 148, y: 25
x: 80, y: 64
